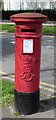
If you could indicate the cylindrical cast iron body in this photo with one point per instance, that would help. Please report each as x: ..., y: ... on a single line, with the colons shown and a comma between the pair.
x: 27, y: 60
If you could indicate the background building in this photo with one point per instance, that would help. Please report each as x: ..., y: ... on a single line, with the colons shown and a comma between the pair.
x: 29, y: 4
x: 1, y: 4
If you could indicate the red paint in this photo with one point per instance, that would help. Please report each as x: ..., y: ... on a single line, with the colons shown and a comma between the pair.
x: 27, y: 65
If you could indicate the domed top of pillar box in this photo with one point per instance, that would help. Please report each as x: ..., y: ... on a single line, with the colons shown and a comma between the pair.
x: 28, y: 16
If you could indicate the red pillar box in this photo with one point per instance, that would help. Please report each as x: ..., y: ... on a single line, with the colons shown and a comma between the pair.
x: 27, y: 60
